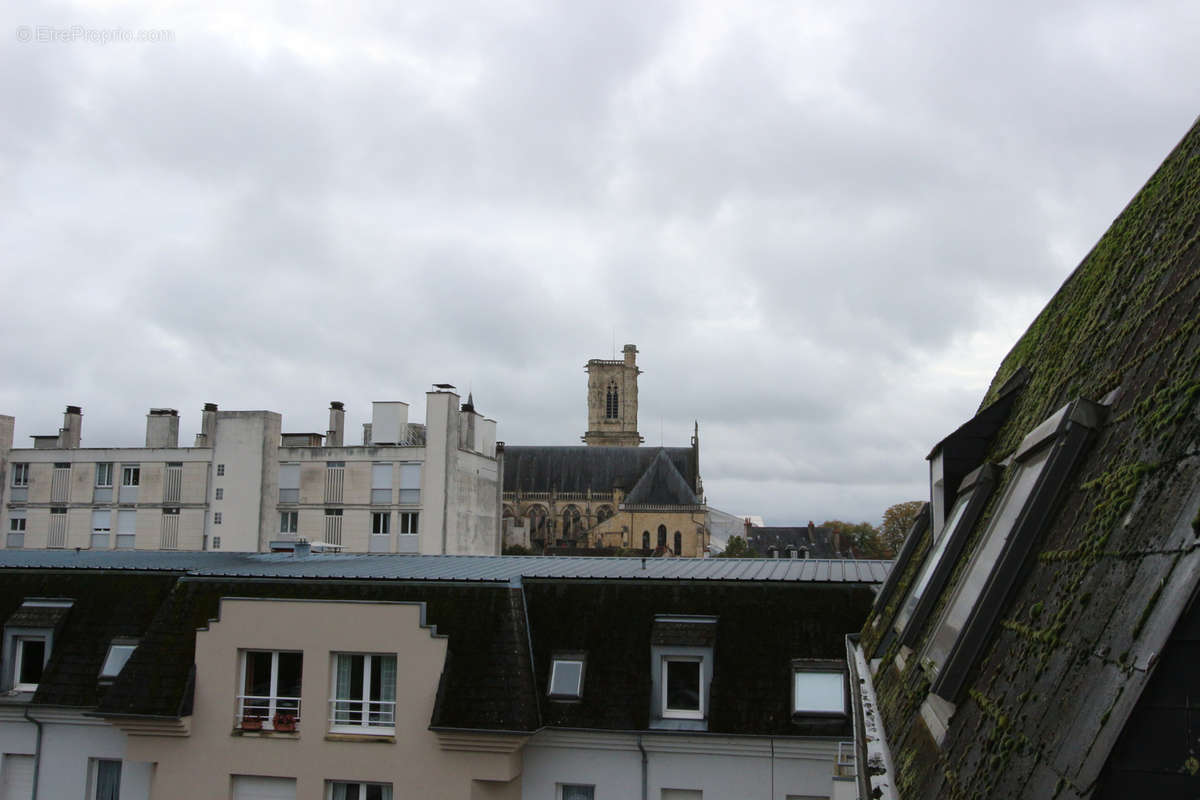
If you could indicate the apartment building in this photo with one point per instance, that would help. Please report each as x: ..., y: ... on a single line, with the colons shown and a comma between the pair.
x: 247, y: 485
x: 147, y: 675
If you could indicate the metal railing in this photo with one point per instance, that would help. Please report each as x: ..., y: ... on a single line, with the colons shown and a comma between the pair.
x: 845, y: 767
x: 258, y: 711
x: 367, y: 714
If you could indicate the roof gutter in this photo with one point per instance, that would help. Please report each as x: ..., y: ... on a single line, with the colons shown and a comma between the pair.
x: 37, y: 754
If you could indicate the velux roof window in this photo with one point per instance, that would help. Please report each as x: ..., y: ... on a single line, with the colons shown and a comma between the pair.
x: 114, y: 661
x: 818, y: 687
x: 566, y: 676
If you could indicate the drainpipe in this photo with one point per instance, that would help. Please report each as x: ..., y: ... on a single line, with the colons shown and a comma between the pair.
x: 37, y: 754
x: 645, y: 766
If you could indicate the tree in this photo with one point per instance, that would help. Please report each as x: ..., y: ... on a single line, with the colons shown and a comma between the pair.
x: 897, y: 521
x: 864, y: 536
x: 737, y: 547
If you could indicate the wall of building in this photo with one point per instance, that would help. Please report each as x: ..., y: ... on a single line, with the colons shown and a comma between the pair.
x: 718, y: 766
x: 70, y: 742
x: 200, y: 765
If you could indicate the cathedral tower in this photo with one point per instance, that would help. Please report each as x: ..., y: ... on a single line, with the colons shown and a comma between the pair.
x: 612, y: 401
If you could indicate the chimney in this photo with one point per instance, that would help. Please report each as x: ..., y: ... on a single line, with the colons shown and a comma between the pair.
x: 811, y: 528
x: 791, y: 551
x: 162, y: 428
x: 208, y: 426
x: 748, y: 525
x: 337, y: 424
x: 773, y: 551
x: 366, y: 433
x: 630, y: 351
x: 72, y: 430
x: 302, y: 548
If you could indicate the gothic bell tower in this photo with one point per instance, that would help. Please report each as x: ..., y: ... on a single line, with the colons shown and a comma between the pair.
x: 612, y: 401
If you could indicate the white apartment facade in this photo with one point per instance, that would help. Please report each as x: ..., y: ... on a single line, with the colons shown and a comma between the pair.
x: 248, y: 486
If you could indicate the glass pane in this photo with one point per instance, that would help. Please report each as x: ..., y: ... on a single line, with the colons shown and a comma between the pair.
x: 108, y: 780
x: 565, y: 678
x: 683, y: 685
x: 576, y: 792
x: 258, y: 675
x: 982, y: 562
x: 926, y: 573
x: 290, y: 665
x: 33, y: 654
x: 118, y: 654
x: 819, y: 691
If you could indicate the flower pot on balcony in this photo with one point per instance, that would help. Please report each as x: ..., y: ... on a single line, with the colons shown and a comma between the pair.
x: 252, y: 723
x: 284, y: 723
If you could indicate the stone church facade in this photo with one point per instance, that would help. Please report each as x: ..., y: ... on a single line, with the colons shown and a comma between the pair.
x: 611, y: 493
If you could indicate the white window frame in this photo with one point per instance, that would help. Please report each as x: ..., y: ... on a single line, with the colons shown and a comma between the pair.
x: 577, y: 693
x: 381, y: 516
x: 273, y: 700
x: 683, y: 713
x: 119, y: 650
x: 104, y: 475
x: 20, y: 476
x: 217, y: 517
x: 220, y: 470
x: 131, y: 472
x: 560, y: 789
x: 19, y: 658
x: 362, y: 788
x: 365, y: 724
x: 94, y: 774
x: 409, y: 521
x: 289, y: 521
x: 219, y: 493
x: 826, y: 671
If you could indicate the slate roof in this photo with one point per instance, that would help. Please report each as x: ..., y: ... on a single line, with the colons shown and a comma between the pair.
x: 818, y: 540
x: 106, y: 606
x: 662, y: 484
x: 1077, y: 691
x: 582, y: 468
x: 502, y: 569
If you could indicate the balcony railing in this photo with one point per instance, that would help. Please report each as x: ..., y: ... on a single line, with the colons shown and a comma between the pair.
x: 845, y: 767
x: 257, y: 712
x: 374, y: 716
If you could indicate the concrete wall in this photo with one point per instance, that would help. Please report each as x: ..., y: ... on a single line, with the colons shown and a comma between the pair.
x: 200, y: 765
x: 719, y: 766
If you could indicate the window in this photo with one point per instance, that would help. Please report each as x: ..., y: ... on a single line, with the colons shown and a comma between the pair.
x: 216, y: 543
x: 345, y: 790
x: 289, y: 483
x: 220, y: 494
x: 410, y: 484
x: 101, y: 529
x: 16, y: 529
x: 106, y: 779
x: 364, y: 693
x: 381, y: 484
x: 678, y: 543
x: 104, y: 474
x: 288, y: 521
x: 126, y: 529
x: 56, y: 536
x: 220, y: 470
x: 29, y: 658
x: 612, y: 401
x: 20, y: 475
x: 216, y: 518
x: 645, y: 540
x: 118, y: 653
x: 818, y: 687
x: 408, y: 521
x: 662, y: 535
x: 943, y: 555
x: 1041, y: 468
x: 270, y: 689
x: 566, y: 677
x: 682, y: 682
x: 576, y: 791
x: 381, y: 522
x: 131, y: 475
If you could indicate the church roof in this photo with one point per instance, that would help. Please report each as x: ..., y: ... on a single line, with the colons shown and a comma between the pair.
x: 662, y: 485
x: 581, y: 468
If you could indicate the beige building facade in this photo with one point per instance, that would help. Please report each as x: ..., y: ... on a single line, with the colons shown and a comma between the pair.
x: 247, y: 485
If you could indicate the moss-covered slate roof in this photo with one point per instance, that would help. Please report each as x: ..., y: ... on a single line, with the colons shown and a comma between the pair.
x: 1116, y: 563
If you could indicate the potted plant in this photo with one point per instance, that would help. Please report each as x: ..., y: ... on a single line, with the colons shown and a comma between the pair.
x: 284, y: 722
x: 252, y: 723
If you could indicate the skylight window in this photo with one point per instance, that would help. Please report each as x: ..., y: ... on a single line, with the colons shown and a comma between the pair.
x: 566, y: 678
x: 818, y: 688
x: 118, y: 653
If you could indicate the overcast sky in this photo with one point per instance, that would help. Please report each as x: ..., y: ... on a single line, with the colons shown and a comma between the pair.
x: 823, y: 224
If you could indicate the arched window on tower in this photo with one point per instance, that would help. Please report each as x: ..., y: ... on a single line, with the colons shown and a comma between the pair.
x: 662, y: 535
x: 612, y: 402
x: 645, y: 540
x: 678, y: 543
